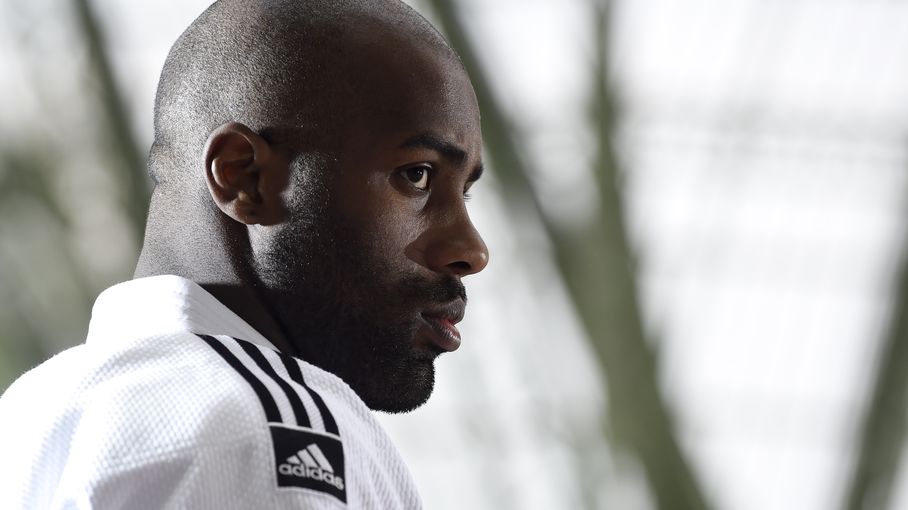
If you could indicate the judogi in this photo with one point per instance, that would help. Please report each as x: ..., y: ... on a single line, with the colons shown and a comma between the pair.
x: 175, y: 402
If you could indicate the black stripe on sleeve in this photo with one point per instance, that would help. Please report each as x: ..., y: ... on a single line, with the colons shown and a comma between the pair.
x: 302, y: 418
x: 272, y: 414
x: 297, y: 375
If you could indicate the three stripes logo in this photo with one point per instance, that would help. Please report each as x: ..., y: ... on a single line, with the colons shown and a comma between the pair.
x: 310, y: 462
x: 308, y: 451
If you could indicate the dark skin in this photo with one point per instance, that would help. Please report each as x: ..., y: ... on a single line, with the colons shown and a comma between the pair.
x: 354, y: 264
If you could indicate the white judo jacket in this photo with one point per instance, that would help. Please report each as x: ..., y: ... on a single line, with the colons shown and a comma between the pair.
x: 176, y: 402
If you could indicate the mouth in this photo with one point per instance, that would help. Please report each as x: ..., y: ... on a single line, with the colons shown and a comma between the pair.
x: 442, y: 322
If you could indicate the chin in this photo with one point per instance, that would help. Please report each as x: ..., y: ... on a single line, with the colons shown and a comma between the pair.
x: 402, y: 390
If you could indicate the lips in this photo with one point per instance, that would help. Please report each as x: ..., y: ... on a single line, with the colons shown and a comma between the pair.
x: 441, y: 321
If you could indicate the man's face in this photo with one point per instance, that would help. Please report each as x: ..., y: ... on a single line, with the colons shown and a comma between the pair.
x: 369, y: 269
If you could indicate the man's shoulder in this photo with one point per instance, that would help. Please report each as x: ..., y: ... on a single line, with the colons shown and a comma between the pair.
x: 170, y: 390
x: 142, y: 420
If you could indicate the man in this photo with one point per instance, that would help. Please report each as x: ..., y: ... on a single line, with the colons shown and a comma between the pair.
x: 305, y: 246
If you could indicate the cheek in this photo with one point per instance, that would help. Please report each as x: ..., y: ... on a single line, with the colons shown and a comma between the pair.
x: 384, y: 222
x: 392, y: 234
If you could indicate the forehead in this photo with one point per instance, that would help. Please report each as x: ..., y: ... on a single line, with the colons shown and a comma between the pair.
x: 397, y: 84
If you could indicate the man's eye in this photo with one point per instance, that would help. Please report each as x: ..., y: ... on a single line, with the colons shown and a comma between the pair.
x: 418, y: 177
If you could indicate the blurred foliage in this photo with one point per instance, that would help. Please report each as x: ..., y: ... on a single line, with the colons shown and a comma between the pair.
x: 25, y: 178
x: 43, y: 315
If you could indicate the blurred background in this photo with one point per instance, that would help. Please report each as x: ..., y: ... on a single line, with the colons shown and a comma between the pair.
x: 698, y: 287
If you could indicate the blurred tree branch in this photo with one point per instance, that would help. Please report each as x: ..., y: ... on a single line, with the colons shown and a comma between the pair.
x: 597, y: 266
x: 123, y: 141
x: 883, y: 429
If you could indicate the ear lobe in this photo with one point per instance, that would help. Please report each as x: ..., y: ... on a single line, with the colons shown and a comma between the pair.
x: 245, y: 176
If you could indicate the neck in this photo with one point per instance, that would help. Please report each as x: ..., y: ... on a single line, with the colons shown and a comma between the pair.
x: 202, y: 244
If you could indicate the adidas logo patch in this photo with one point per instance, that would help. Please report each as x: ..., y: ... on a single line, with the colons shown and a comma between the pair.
x: 310, y: 462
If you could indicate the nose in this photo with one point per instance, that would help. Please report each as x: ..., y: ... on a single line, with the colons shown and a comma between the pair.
x: 456, y: 249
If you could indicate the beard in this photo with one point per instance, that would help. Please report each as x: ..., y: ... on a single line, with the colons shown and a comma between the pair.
x: 348, y: 310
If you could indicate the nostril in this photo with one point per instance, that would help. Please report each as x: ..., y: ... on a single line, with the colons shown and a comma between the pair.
x: 459, y: 266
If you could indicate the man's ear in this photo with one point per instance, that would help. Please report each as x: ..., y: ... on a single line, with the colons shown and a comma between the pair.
x: 246, y: 176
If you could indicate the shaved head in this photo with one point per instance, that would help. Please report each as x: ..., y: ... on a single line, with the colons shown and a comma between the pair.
x: 289, y: 69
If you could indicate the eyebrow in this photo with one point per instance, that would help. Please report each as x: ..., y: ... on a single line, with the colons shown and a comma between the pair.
x: 445, y: 148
